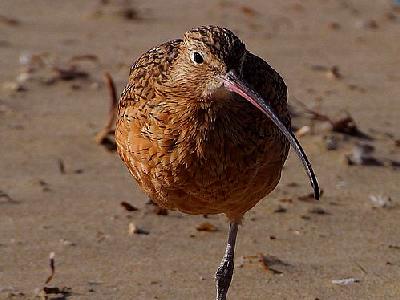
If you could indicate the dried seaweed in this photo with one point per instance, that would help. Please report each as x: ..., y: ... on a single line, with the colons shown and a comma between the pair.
x: 102, y: 137
x: 345, y: 125
x: 70, y: 73
x: 46, y: 291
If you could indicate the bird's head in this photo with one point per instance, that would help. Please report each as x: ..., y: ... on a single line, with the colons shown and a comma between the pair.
x: 211, y: 52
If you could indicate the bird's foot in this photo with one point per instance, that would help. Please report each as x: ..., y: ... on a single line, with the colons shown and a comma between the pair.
x: 223, y: 277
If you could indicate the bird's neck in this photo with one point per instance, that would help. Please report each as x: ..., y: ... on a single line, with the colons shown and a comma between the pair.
x: 208, y: 124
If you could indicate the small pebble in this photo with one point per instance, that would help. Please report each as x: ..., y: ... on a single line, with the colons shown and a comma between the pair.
x: 304, y: 130
x: 133, y: 229
x: 14, y: 86
x: 331, y: 142
x: 380, y: 201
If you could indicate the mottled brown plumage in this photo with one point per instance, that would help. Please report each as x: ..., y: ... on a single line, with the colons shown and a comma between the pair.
x: 201, y: 154
x: 192, y: 142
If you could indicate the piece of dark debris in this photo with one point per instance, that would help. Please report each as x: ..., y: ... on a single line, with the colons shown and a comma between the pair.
x: 5, y: 198
x: 101, y: 236
x: 309, y: 197
x: 354, y: 87
x: 46, y: 291
x: 248, y: 11
x: 61, y: 293
x: 318, y: 211
x: 69, y: 73
x: 206, y: 226
x: 159, y: 211
x: 129, y: 13
x: 334, y: 25
x: 14, y: 86
x: 362, y: 155
x: 280, y: 209
x: 395, y: 164
x: 61, y: 166
x: 44, y: 185
x: 331, y: 72
x: 266, y: 262
x: 68, y: 243
x: 334, y: 73
x: 128, y: 207
x: 9, y: 21
x: 396, y: 247
x: 370, y: 24
x: 286, y: 200
x: 10, y: 293
x: 347, y: 125
x: 331, y: 142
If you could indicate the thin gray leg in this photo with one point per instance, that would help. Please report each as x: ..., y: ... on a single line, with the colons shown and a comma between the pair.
x: 224, y: 273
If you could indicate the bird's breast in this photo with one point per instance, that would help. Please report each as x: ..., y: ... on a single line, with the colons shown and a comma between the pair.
x: 203, y: 159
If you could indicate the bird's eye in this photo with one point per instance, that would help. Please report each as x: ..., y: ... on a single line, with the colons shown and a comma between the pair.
x: 197, y: 58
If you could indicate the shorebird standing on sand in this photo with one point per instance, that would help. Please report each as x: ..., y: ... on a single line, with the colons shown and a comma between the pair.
x: 203, y: 126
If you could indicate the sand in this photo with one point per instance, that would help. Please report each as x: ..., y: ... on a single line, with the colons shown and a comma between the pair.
x: 61, y: 192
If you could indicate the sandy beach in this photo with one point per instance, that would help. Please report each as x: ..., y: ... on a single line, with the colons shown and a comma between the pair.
x: 61, y: 192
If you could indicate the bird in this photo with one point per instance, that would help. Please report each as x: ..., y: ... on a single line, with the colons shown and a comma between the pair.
x: 204, y: 128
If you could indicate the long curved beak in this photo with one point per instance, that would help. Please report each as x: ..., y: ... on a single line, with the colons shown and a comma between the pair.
x: 238, y: 86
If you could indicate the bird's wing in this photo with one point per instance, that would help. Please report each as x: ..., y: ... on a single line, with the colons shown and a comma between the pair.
x: 268, y: 84
x: 136, y: 124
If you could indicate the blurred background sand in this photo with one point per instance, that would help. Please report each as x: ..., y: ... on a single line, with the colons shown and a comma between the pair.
x: 61, y: 192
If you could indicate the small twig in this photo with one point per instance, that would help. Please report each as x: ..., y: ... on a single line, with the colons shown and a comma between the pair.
x: 70, y: 73
x: 89, y: 57
x: 361, y: 268
x: 315, y: 114
x: 52, y: 267
x: 61, y: 166
x: 102, y: 134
